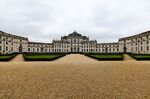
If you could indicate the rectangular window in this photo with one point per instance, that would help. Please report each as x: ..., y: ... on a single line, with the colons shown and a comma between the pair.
x: 28, y: 49
x: 6, y: 48
x: 147, y: 48
x: 117, y: 49
x: 141, y: 48
x: 110, y: 49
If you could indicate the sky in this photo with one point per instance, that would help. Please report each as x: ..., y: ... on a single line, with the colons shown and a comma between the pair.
x: 101, y: 20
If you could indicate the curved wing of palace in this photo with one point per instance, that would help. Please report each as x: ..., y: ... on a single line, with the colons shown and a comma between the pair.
x: 75, y: 43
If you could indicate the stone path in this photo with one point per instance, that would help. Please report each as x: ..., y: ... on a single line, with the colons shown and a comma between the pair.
x: 128, y: 58
x: 18, y: 58
x: 76, y: 59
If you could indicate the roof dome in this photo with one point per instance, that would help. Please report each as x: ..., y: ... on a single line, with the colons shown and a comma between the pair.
x: 75, y: 34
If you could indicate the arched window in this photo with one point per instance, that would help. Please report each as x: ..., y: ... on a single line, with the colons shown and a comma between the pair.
x: 74, y: 40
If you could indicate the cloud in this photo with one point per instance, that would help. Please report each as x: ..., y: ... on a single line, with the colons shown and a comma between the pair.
x: 103, y: 20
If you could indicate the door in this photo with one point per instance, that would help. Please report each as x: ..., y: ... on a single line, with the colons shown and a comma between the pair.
x: 125, y: 50
x: 20, y: 48
x: 106, y: 50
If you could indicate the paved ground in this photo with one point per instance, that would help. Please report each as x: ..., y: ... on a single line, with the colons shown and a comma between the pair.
x: 75, y: 77
x: 128, y: 58
x: 18, y: 58
x: 76, y: 59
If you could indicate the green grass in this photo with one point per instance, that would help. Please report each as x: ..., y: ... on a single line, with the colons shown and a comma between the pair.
x: 7, y: 57
x: 141, y: 56
x: 42, y: 57
x: 107, y: 56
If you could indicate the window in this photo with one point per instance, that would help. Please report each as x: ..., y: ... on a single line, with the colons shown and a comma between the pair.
x: 110, y: 49
x: 117, y: 49
x: 147, y: 37
x: 147, y: 48
x: 6, y: 48
x: 74, y: 40
x: 141, y: 48
x: 29, y: 49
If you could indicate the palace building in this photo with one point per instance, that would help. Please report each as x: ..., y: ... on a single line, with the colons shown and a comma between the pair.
x: 75, y: 43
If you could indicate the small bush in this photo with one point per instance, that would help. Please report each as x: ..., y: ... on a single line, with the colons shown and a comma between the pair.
x: 140, y: 56
x: 7, y: 57
x: 107, y: 56
x: 42, y: 57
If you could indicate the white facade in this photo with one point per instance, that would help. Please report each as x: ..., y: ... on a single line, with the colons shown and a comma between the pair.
x: 11, y: 43
x: 75, y: 43
x: 136, y: 44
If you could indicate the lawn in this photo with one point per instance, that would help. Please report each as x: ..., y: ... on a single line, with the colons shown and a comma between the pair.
x: 108, y: 56
x: 42, y: 57
x: 141, y: 56
x: 7, y: 57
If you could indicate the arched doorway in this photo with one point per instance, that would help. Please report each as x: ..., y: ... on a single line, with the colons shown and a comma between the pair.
x: 75, y: 49
x: 106, y: 50
x: 42, y: 49
x: 20, y: 48
x: 125, y: 49
x: 78, y: 49
x: 71, y: 49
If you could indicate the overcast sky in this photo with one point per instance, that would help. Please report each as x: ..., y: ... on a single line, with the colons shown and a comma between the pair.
x: 103, y: 20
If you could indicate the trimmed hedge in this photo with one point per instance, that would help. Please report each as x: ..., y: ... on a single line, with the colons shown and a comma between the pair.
x: 140, y: 56
x: 7, y: 57
x: 42, y: 57
x: 106, y: 56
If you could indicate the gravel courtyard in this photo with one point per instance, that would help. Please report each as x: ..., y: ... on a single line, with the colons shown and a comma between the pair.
x: 75, y: 76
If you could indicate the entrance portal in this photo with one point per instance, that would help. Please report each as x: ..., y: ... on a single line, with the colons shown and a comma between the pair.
x: 20, y: 48
x: 125, y: 50
x: 74, y: 49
